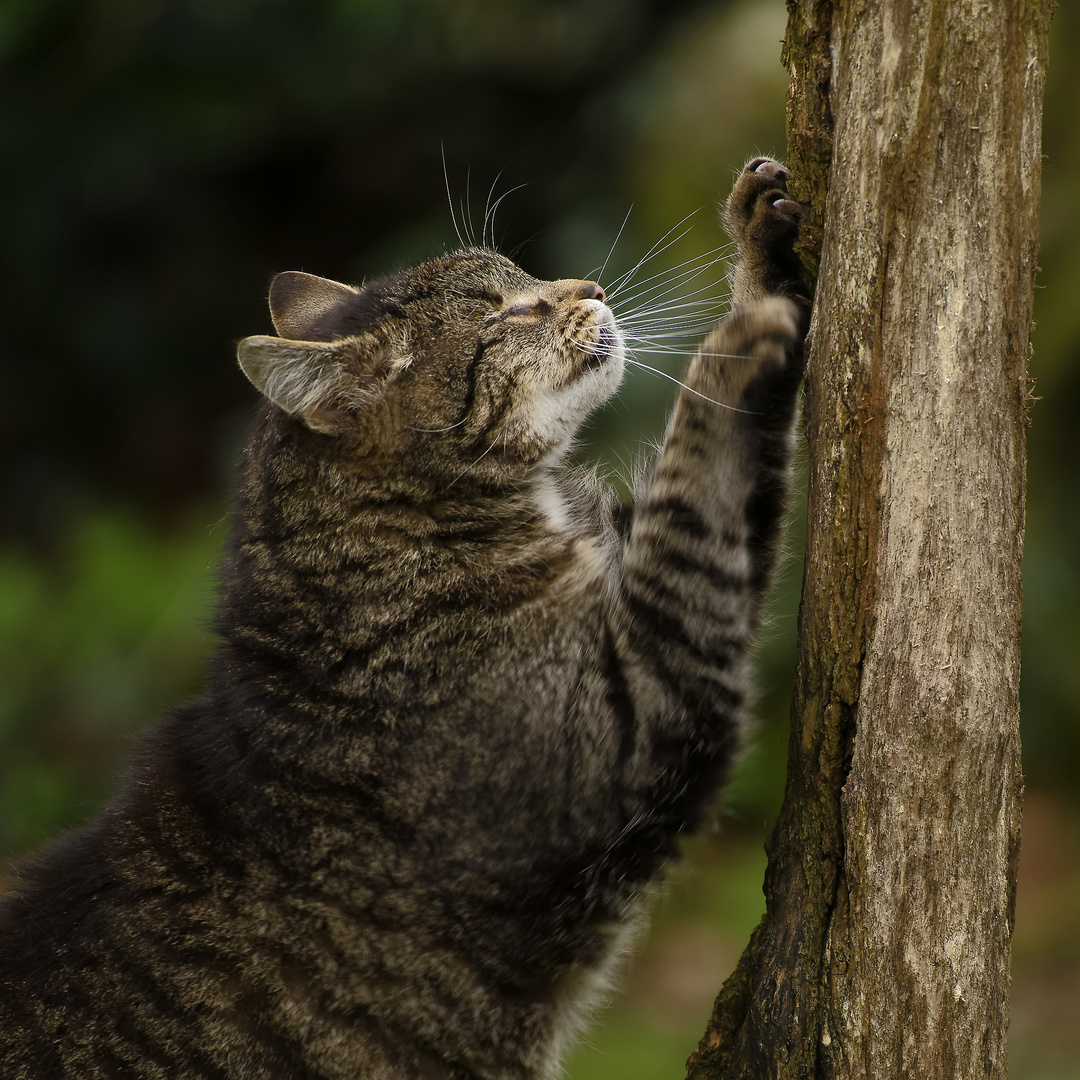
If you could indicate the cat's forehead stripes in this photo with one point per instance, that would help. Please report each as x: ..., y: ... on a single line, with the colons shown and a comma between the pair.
x: 459, y: 271
x: 474, y: 274
x: 309, y: 308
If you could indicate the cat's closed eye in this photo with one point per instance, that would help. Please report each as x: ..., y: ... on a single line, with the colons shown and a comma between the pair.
x: 536, y: 307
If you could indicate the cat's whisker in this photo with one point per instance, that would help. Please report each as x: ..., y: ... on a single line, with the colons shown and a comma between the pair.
x: 706, y: 355
x: 672, y: 276
x: 663, y: 283
x: 701, y: 301
x: 660, y: 334
x: 667, y: 331
x: 436, y: 430
x: 489, y: 215
x: 645, y: 345
x: 660, y: 246
x: 450, y: 197
x: 611, y: 251
x: 468, y: 468
x: 489, y: 210
x: 663, y: 331
x: 656, y: 341
x: 689, y: 389
x: 692, y: 307
x: 691, y: 314
x: 623, y: 280
x: 634, y: 362
x: 666, y: 340
x: 678, y: 288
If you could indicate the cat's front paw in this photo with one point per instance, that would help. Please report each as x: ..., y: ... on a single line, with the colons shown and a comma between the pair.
x: 764, y: 223
x: 758, y: 211
x: 757, y: 344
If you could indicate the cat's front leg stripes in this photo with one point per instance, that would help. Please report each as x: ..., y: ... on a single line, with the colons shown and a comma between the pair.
x: 691, y: 550
x: 697, y: 557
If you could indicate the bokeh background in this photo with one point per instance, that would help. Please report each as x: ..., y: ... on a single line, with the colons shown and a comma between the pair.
x: 161, y: 159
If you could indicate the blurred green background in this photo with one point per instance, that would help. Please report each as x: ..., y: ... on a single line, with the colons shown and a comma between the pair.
x: 162, y: 159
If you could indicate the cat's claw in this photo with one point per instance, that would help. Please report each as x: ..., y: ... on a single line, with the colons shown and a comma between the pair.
x: 787, y: 206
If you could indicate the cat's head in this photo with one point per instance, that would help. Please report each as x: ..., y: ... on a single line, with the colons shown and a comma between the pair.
x: 456, y: 361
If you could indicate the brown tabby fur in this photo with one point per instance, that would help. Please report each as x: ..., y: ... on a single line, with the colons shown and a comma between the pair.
x: 463, y: 706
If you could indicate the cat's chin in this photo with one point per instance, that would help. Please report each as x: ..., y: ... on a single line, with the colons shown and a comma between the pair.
x: 606, y: 346
x: 602, y: 370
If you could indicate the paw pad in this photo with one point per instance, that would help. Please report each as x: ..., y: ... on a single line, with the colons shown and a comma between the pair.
x: 771, y: 170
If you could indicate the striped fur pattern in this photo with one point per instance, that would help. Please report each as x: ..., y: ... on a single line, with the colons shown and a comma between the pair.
x: 464, y: 702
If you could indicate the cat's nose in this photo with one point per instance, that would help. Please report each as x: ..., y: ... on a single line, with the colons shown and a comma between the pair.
x: 570, y: 289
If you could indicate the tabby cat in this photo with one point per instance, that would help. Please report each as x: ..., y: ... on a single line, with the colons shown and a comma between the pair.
x: 464, y: 702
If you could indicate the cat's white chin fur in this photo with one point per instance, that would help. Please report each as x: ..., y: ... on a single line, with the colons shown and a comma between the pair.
x: 557, y: 414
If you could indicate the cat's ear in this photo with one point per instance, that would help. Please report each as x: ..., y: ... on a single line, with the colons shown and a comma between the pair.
x: 309, y: 308
x: 316, y: 381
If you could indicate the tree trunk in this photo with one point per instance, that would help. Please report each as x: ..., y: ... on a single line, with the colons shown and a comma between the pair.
x: 884, y: 951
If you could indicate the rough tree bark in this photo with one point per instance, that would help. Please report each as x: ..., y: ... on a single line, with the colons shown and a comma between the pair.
x: 884, y: 951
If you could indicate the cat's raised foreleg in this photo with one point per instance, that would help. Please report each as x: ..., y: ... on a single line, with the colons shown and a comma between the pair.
x: 705, y: 528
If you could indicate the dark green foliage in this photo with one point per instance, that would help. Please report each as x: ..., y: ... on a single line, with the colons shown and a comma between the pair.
x: 117, y: 632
